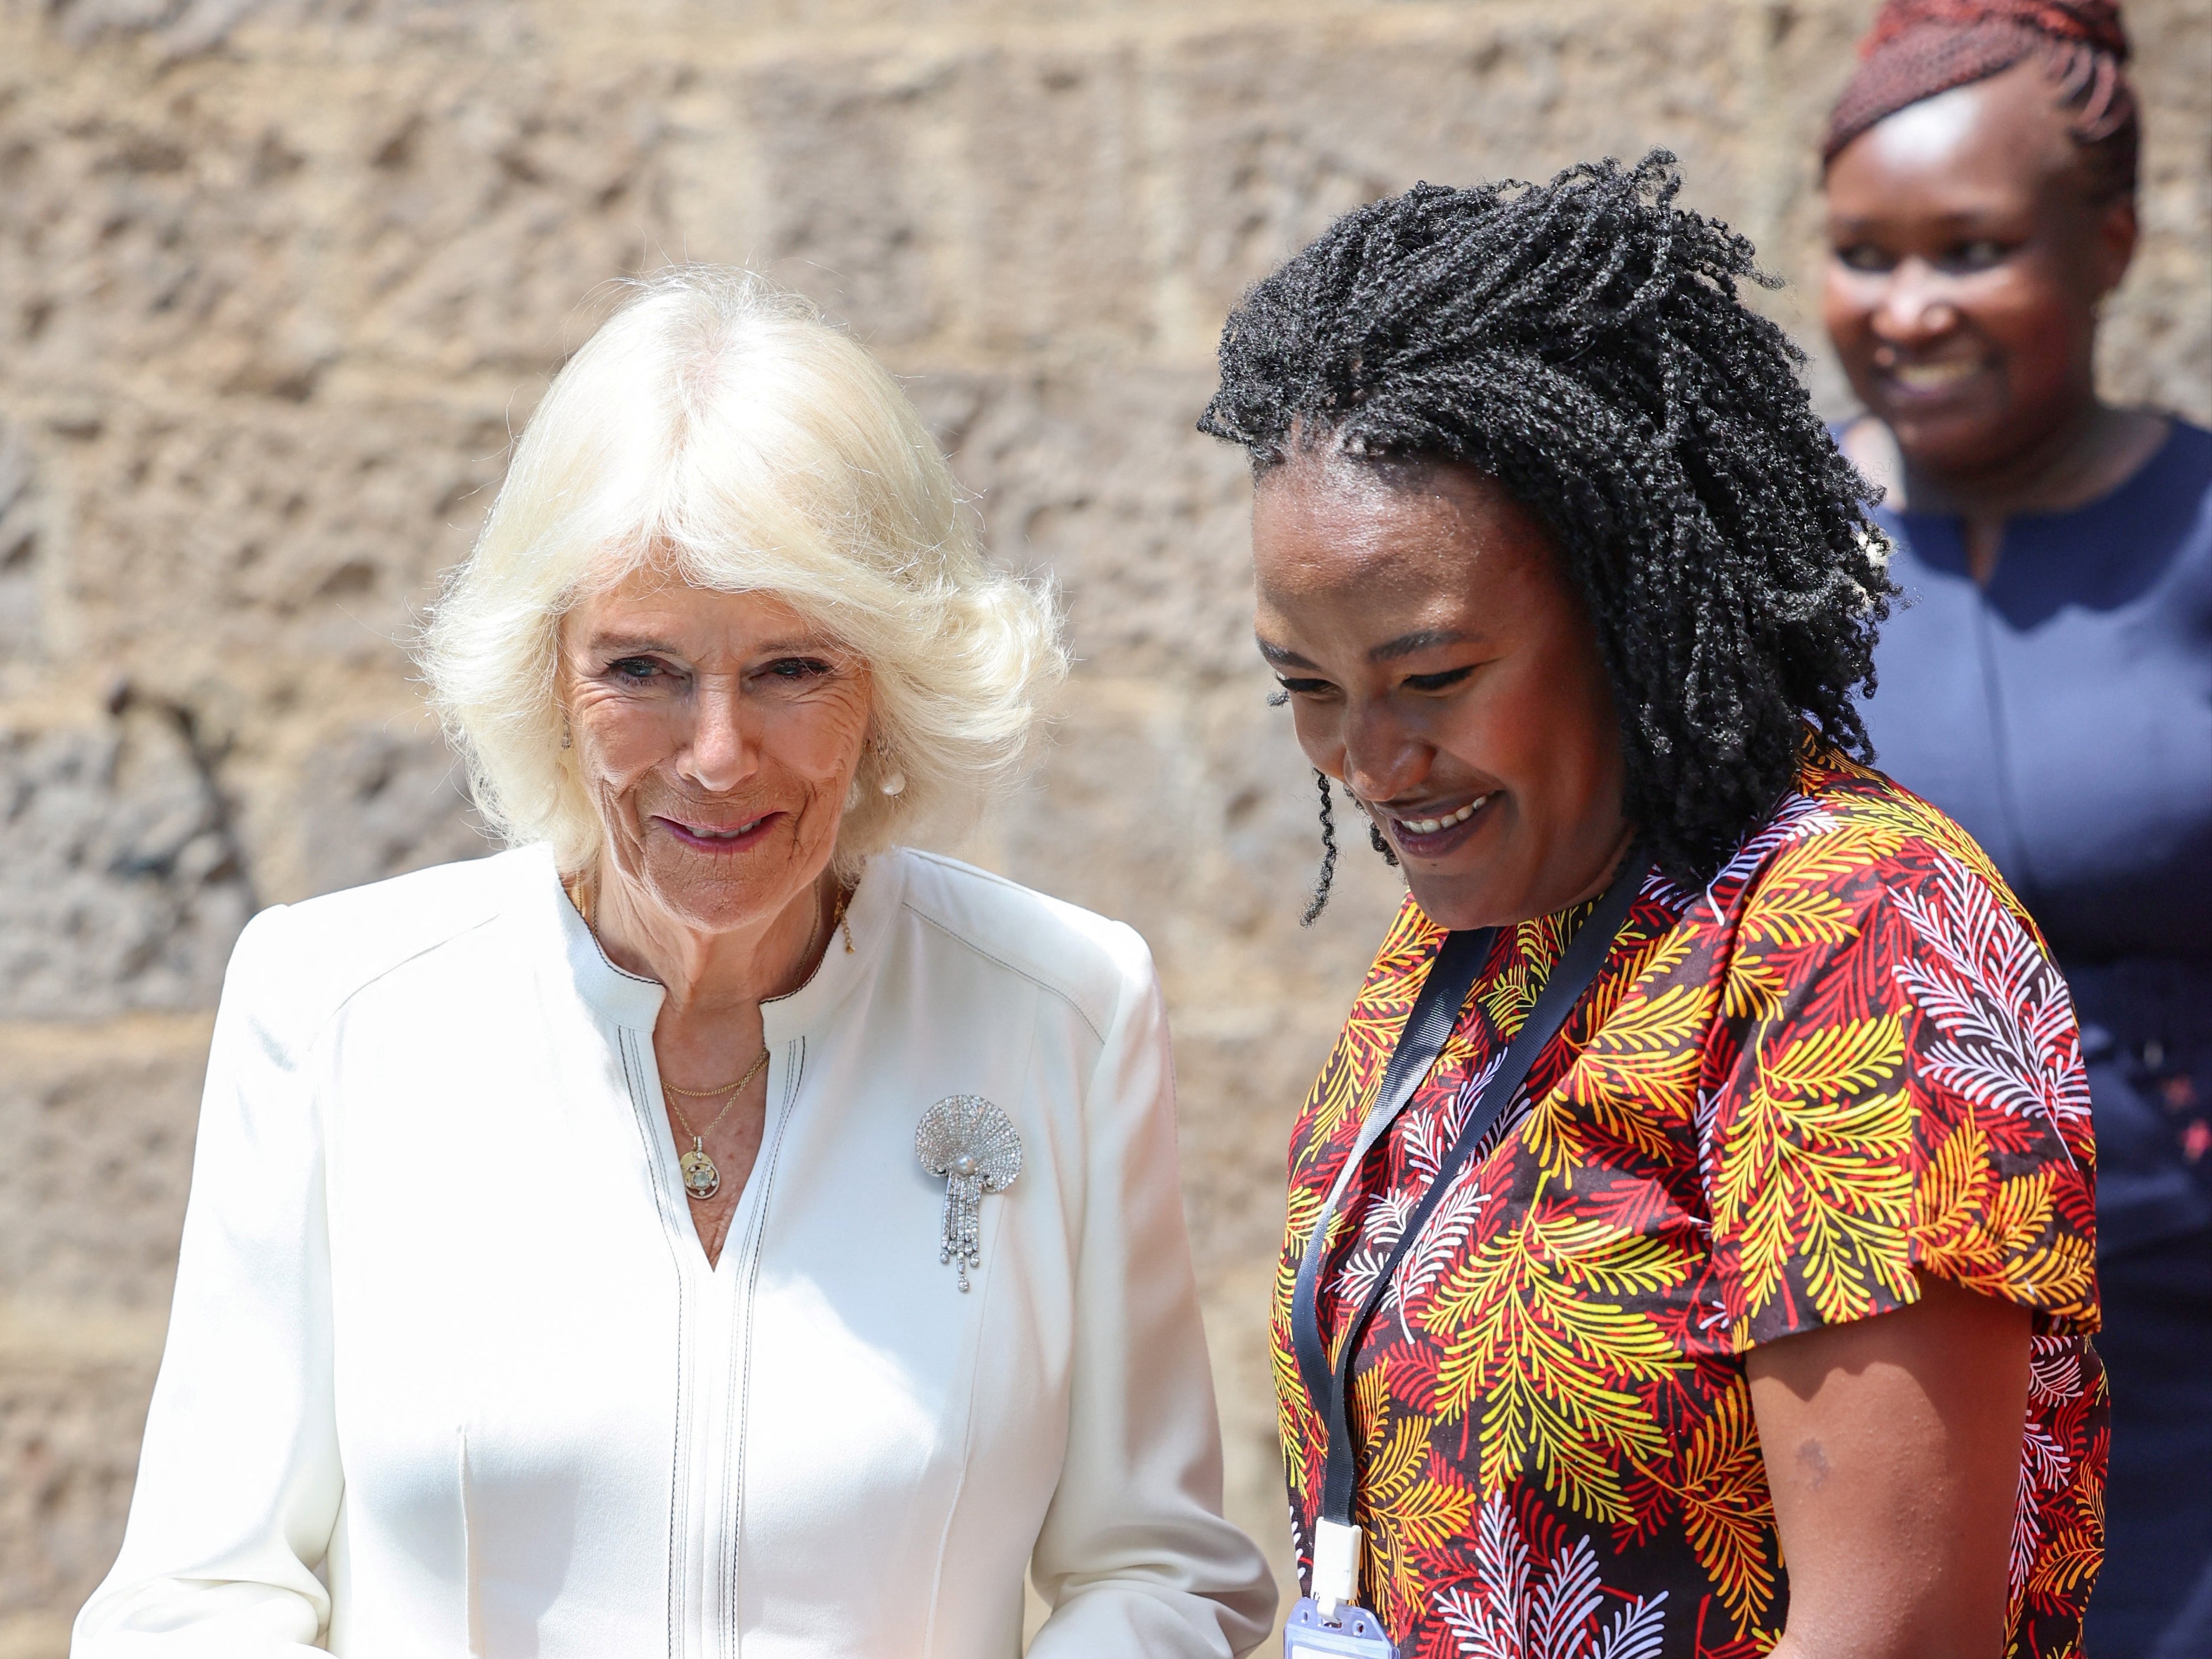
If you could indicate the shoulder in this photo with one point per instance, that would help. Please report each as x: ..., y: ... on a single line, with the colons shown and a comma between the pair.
x: 2168, y: 500
x: 1852, y: 880
x: 2192, y: 451
x: 1093, y: 965
x: 1857, y: 833
x: 296, y: 965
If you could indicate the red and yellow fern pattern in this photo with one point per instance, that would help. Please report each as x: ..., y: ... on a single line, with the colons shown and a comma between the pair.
x: 1847, y: 1062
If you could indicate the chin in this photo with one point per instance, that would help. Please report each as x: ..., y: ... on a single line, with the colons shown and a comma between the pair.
x: 711, y: 894
x: 1461, y: 901
x: 1949, y: 440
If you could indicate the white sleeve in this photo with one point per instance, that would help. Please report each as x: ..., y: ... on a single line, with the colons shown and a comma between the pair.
x: 239, y: 1480
x: 1135, y: 1555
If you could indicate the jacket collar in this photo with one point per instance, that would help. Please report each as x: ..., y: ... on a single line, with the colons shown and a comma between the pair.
x: 630, y: 999
x: 868, y: 918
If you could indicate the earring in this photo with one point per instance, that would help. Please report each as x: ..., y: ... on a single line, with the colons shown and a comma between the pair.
x: 892, y: 781
x: 568, y: 737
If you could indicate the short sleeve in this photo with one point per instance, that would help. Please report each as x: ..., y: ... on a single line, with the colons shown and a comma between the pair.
x: 1898, y: 1088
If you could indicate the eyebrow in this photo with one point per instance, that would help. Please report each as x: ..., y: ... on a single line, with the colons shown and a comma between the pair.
x: 1960, y: 219
x: 629, y: 645
x: 1406, y: 644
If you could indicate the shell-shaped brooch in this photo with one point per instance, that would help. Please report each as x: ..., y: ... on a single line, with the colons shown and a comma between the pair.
x: 969, y: 1142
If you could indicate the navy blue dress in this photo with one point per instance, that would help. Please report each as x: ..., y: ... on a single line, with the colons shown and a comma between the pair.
x: 2063, y: 715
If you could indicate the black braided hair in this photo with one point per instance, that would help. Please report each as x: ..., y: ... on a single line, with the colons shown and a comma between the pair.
x: 1583, y: 344
x: 1326, y: 879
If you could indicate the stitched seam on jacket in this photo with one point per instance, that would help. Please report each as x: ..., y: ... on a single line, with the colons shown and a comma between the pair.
x: 982, y: 1314
x: 1019, y: 972
x: 323, y: 1026
x: 678, y: 1517
x: 742, y: 1374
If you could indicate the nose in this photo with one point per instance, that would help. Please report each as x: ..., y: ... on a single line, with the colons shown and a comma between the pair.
x: 720, y: 755
x: 1917, y: 307
x: 1384, y: 757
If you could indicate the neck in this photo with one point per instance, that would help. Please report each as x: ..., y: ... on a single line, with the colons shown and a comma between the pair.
x: 2094, y: 449
x: 712, y: 971
x: 1621, y: 848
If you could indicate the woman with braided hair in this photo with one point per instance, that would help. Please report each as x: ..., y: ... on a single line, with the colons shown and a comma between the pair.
x: 2049, y: 683
x: 1691, y: 1237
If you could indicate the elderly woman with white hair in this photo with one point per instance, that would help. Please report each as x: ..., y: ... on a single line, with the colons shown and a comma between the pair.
x: 708, y: 1227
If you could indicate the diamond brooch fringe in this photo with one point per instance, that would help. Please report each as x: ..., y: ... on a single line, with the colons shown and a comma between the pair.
x: 969, y: 1142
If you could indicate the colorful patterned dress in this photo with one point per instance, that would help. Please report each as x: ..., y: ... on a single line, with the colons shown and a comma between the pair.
x: 1848, y: 1059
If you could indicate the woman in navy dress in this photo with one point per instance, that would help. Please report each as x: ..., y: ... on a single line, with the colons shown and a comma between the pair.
x: 2047, y: 681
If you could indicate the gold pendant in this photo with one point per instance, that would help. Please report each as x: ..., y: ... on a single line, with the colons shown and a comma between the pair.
x: 700, y: 1178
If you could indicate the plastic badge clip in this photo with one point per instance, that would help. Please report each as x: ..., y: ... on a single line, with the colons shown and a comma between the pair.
x: 1335, y: 1565
x: 1330, y: 1624
x: 1353, y: 1634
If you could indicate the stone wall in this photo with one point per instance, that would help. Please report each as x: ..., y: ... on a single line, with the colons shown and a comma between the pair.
x: 278, y: 278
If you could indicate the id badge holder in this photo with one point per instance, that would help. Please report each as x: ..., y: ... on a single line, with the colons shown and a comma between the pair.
x: 1356, y: 1635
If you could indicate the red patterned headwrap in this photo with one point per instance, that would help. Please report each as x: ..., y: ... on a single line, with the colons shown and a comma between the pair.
x: 1917, y: 48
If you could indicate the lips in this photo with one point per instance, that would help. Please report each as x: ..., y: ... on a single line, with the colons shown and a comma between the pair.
x: 1433, y: 830
x: 718, y: 838
x: 1931, y: 377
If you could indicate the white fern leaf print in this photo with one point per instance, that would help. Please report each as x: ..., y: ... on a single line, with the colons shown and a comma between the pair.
x: 2009, y: 1042
x: 1635, y: 1631
x: 1517, y: 1609
x: 2054, y: 1370
x: 2044, y: 1460
x: 1566, y: 1599
x: 1441, y: 1245
x: 1799, y: 817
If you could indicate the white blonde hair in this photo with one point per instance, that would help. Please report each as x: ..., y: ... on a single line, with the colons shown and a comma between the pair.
x: 719, y: 424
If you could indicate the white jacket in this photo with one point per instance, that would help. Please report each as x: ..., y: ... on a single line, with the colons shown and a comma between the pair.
x: 449, y: 1372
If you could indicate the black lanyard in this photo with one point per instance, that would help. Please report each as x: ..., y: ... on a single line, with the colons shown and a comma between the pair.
x: 1427, y: 1027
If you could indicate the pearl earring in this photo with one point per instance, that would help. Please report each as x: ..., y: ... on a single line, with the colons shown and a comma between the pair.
x: 892, y: 780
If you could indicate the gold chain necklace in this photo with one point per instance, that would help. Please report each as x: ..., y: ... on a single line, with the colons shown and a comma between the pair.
x: 702, y: 1180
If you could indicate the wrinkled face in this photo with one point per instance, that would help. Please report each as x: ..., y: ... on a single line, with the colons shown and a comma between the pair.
x: 718, y: 734
x: 1966, y: 257
x: 1441, y: 668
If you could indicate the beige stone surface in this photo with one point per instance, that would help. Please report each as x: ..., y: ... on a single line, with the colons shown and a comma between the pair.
x: 278, y: 277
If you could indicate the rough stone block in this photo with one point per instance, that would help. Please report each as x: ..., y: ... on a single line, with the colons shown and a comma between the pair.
x: 123, y: 887
x: 96, y: 1132
x: 1101, y: 479
x: 444, y: 213
x: 1056, y: 154
x: 374, y: 803
x: 235, y: 544
x: 1284, y: 127
x: 1237, y: 1093
x: 2156, y: 346
x: 489, y: 200
x: 68, y: 1451
x: 22, y: 609
x: 854, y: 202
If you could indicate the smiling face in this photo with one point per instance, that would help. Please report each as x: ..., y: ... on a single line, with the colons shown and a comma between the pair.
x: 1967, y: 257
x: 1441, y: 668
x: 718, y: 734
